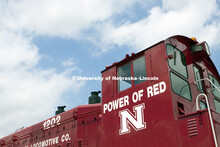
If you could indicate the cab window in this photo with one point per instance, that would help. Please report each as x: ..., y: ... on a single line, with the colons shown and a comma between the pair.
x: 139, y: 70
x: 177, y: 60
x: 180, y: 86
x: 203, y: 105
x: 198, y: 76
x: 214, y: 90
x: 217, y: 105
x: 124, y: 72
x: 129, y: 78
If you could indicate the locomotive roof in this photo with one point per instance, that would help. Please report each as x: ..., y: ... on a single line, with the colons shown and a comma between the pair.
x: 127, y: 57
x: 178, y: 37
x: 78, y: 111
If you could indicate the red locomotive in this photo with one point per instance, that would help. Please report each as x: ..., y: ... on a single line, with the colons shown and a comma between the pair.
x: 167, y: 95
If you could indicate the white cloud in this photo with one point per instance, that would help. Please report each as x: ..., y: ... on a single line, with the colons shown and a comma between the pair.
x: 16, y: 51
x: 196, y: 18
x: 68, y: 62
x: 56, y: 17
x: 26, y: 96
x: 73, y: 19
x: 26, y: 90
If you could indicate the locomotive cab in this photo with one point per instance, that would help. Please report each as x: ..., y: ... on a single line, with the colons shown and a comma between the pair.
x: 157, y: 92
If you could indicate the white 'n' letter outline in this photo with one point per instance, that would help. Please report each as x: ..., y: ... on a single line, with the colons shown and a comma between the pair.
x: 136, y: 121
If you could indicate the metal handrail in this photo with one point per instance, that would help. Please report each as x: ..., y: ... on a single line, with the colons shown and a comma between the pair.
x: 195, y: 82
x: 210, y: 115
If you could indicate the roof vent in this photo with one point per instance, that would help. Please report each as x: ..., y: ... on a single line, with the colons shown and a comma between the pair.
x: 60, y: 109
x: 95, y: 98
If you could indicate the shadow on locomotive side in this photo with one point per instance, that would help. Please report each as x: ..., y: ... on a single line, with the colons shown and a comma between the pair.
x: 166, y: 95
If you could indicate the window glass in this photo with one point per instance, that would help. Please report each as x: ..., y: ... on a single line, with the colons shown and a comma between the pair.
x: 180, y: 86
x: 197, y: 74
x: 177, y: 62
x: 139, y: 70
x: 217, y: 105
x: 214, y: 90
x: 202, y: 105
x: 124, y: 75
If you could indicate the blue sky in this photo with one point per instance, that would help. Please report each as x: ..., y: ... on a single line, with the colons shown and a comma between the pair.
x: 46, y: 42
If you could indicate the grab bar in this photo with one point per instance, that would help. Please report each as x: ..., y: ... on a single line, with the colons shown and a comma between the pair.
x: 210, y: 115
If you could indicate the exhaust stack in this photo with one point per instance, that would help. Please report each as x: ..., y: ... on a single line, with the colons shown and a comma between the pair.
x: 60, y: 109
x: 95, y: 98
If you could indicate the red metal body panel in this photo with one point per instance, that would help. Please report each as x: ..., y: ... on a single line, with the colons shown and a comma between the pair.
x: 163, y: 102
x: 78, y: 126
x: 188, y: 136
x: 161, y: 113
x: 150, y: 113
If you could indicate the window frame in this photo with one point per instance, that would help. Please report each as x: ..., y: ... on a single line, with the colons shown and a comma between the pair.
x: 187, y: 75
x: 131, y: 71
x: 201, y: 90
x: 190, y: 93
x: 119, y: 81
x: 202, y: 102
x: 210, y: 75
x: 216, y: 99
